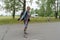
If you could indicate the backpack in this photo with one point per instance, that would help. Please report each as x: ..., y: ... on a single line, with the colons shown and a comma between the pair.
x: 22, y: 16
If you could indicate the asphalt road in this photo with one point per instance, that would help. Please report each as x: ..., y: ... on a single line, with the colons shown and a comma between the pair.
x: 36, y: 31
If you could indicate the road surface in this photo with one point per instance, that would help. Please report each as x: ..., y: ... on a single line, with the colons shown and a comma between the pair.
x: 36, y: 31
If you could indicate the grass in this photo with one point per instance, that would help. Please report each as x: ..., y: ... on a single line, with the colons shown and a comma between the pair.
x: 9, y: 20
x: 44, y: 19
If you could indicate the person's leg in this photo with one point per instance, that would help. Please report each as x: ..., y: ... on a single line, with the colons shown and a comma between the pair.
x: 25, y: 28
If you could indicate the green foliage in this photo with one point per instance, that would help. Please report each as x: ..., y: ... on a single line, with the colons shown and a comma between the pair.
x: 12, y: 6
x: 32, y: 11
x: 49, y: 6
x: 41, y: 4
x: 59, y: 12
x: 45, y: 7
x: 48, y: 10
x: 37, y: 11
x: 42, y: 11
x: 9, y: 5
x: 51, y: 2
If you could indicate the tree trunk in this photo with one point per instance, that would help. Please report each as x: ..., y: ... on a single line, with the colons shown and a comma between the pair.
x: 56, y: 13
x: 14, y: 13
x: 56, y: 10
x: 24, y: 5
x: 14, y: 10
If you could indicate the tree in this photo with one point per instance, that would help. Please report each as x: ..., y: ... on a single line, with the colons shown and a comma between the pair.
x: 13, y: 6
x: 45, y: 7
x: 37, y: 11
x: 48, y: 10
x: 41, y: 4
x: 42, y: 11
x: 32, y: 11
x: 49, y: 6
x: 24, y: 5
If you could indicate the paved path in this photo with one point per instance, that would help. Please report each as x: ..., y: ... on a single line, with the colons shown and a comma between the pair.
x: 37, y: 31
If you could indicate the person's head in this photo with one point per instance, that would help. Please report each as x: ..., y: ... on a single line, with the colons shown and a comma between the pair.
x: 28, y: 8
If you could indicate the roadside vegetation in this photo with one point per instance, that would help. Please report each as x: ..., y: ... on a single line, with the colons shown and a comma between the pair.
x: 10, y: 20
